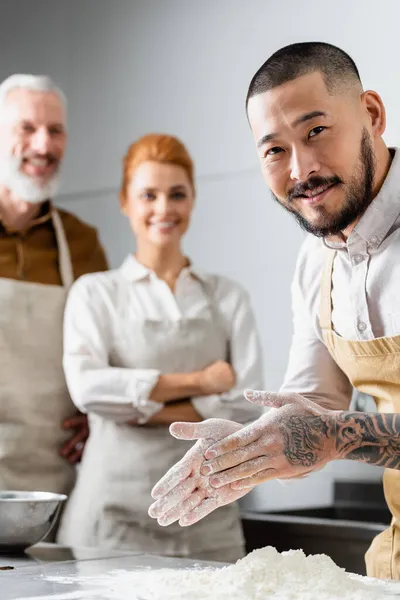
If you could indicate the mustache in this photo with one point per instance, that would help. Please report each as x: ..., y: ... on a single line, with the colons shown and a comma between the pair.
x: 316, y: 181
x: 49, y: 156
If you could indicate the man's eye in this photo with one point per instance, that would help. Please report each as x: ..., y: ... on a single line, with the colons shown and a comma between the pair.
x: 273, y: 151
x: 27, y: 128
x: 56, y: 131
x: 316, y: 131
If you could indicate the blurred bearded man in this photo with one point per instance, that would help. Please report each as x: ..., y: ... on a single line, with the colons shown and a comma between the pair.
x: 42, y: 251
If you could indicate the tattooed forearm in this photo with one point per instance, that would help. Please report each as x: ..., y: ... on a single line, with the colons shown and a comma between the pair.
x: 366, y: 437
x: 369, y: 437
x: 305, y: 438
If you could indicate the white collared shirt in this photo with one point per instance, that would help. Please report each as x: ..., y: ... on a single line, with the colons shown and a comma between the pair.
x: 123, y: 393
x: 365, y: 295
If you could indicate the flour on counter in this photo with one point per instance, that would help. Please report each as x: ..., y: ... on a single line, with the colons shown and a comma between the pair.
x: 262, y: 575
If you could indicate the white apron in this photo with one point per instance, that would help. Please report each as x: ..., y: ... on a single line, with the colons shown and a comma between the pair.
x: 33, y: 395
x: 121, y: 464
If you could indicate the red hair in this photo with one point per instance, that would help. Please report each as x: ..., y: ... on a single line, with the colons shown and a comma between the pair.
x: 157, y: 147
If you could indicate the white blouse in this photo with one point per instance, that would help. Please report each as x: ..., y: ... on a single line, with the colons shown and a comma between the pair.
x: 122, y: 394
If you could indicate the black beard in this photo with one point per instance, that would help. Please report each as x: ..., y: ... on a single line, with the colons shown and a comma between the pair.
x: 358, y: 197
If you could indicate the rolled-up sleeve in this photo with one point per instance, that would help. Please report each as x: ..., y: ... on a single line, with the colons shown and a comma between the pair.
x: 119, y: 394
x: 245, y: 357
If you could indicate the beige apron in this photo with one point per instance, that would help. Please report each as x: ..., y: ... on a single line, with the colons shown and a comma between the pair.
x: 121, y: 464
x: 373, y: 367
x: 33, y: 396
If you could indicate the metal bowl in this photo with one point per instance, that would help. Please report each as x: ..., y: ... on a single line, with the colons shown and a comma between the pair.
x: 26, y: 518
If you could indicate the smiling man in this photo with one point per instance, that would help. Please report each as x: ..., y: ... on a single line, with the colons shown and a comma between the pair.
x: 318, y: 134
x: 42, y: 251
x: 313, y: 136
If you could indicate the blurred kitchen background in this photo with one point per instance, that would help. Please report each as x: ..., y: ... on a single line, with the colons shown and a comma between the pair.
x: 129, y: 67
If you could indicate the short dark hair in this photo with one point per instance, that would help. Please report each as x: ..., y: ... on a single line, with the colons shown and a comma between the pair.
x: 338, y: 68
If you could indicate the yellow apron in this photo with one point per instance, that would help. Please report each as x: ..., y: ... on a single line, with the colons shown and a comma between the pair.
x: 373, y: 367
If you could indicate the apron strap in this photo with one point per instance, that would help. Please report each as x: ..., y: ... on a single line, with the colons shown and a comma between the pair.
x: 216, y: 315
x: 64, y: 256
x: 325, y: 312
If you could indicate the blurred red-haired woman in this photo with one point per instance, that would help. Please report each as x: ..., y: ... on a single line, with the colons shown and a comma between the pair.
x: 153, y: 342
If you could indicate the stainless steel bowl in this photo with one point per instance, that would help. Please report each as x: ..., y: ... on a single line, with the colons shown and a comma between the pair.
x: 26, y: 518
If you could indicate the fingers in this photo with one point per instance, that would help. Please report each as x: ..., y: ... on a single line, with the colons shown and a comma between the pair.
x: 74, y: 458
x: 73, y: 448
x: 178, y: 495
x: 231, y: 459
x: 171, y: 479
x: 224, y: 496
x: 178, y: 473
x: 179, y: 512
x: 268, y: 398
x: 249, y: 482
x: 242, y: 472
x: 199, y: 512
x: 240, y: 439
x: 75, y: 422
x: 188, y: 431
x: 210, y: 428
x: 198, y: 505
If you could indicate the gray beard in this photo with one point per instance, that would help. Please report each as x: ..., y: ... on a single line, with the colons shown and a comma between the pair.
x: 22, y: 186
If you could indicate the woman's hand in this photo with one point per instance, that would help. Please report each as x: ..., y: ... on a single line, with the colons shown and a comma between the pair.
x: 181, y: 410
x: 218, y: 378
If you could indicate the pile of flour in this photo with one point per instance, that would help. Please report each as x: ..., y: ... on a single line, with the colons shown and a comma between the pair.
x: 262, y: 575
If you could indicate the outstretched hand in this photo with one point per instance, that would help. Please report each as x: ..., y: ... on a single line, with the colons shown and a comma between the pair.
x: 184, y: 494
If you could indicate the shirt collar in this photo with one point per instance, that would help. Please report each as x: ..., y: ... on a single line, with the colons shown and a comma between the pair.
x: 133, y: 270
x: 380, y: 215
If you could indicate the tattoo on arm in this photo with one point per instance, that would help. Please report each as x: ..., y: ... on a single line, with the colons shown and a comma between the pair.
x: 366, y: 437
x: 369, y: 437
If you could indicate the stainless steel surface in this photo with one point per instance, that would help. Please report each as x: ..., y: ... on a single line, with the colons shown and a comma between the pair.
x: 87, y: 579
x: 26, y: 518
x: 47, y: 553
x: 35, y: 583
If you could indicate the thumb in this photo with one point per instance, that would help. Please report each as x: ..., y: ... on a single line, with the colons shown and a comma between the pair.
x: 272, y: 399
x: 210, y: 428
